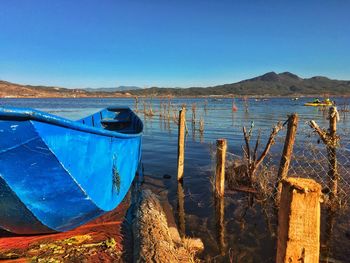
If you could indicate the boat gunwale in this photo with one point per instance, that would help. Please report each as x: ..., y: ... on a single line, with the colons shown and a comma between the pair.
x: 20, y: 114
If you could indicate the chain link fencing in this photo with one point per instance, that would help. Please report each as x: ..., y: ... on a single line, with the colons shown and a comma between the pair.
x: 310, y: 159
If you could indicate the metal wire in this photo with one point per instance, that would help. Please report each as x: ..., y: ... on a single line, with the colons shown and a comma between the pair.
x: 309, y: 160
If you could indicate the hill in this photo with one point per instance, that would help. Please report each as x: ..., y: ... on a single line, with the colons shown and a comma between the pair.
x: 112, y: 89
x: 12, y: 90
x: 269, y: 84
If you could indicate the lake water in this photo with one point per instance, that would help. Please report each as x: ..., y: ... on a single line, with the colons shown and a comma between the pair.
x: 244, y: 233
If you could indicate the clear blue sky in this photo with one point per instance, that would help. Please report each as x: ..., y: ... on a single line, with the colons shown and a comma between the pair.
x: 86, y: 43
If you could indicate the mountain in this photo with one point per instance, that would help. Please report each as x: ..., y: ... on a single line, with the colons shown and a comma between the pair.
x: 269, y: 84
x: 111, y: 89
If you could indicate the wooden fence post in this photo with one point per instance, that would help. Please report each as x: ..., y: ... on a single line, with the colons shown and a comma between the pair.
x: 169, y: 104
x: 299, y: 221
x: 181, y: 208
x: 201, y: 125
x: 136, y: 104
x: 333, y: 175
x: 144, y: 108
x: 330, y: 139
x: 181, y: 144
x: 221, y: 146
x: 194, y: 112
x: 220, y: 223
x: 287, y: 154
x: 201, y: 129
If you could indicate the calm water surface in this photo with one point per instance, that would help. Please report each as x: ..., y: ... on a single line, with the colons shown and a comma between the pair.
x: 244, y: 234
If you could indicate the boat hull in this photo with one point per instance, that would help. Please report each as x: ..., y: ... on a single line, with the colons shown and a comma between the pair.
x: 318, y: 104
x: 57, y: 177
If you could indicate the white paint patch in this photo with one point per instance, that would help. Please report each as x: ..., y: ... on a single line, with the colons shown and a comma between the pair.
x: 14, y: 127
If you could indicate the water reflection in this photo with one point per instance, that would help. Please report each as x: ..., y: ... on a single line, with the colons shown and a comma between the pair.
x: 161, y: 123
x: 193, y: 126
x: 220, y: 223
x: 201, y: 137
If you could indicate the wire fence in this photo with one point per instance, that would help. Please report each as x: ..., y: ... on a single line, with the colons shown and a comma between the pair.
x: 310, y: 159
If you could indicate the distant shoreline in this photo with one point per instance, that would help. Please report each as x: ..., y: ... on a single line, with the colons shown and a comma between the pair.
x: 179, y: 97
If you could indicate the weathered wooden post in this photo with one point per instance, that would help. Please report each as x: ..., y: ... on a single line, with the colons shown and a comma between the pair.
x: 205, y: 107
x: 246, y: 104
x: 164, y: 110
x: 220, y: 223
x: 150, y: 111
x: 330, y: 215
x: 181, y: 208
x: 169, y: 104
x: 194, y: 112
x: 287, y: 154
x: 299, y: 221
x: 136, y: 104
x: 333, y: 175
x: 330, y: 139
x: 201, y: 129
x: 181, y: 144
x: 175, y: 117
x: 201, y: 125
x: 221, y: 146
x: 160, y: 107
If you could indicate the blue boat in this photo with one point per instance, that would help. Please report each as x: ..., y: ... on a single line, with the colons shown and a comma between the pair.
x: 57, y: 174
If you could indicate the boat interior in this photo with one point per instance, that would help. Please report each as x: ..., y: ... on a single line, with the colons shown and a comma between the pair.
x: 119, y: 119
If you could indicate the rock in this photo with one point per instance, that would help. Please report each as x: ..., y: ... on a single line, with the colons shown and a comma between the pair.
x: 166, y: 176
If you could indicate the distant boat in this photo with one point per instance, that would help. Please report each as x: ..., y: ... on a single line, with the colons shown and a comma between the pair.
x: 295, y: 98
x: 215, y: 99
x: 318, y: 103
x: 57, y: 174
